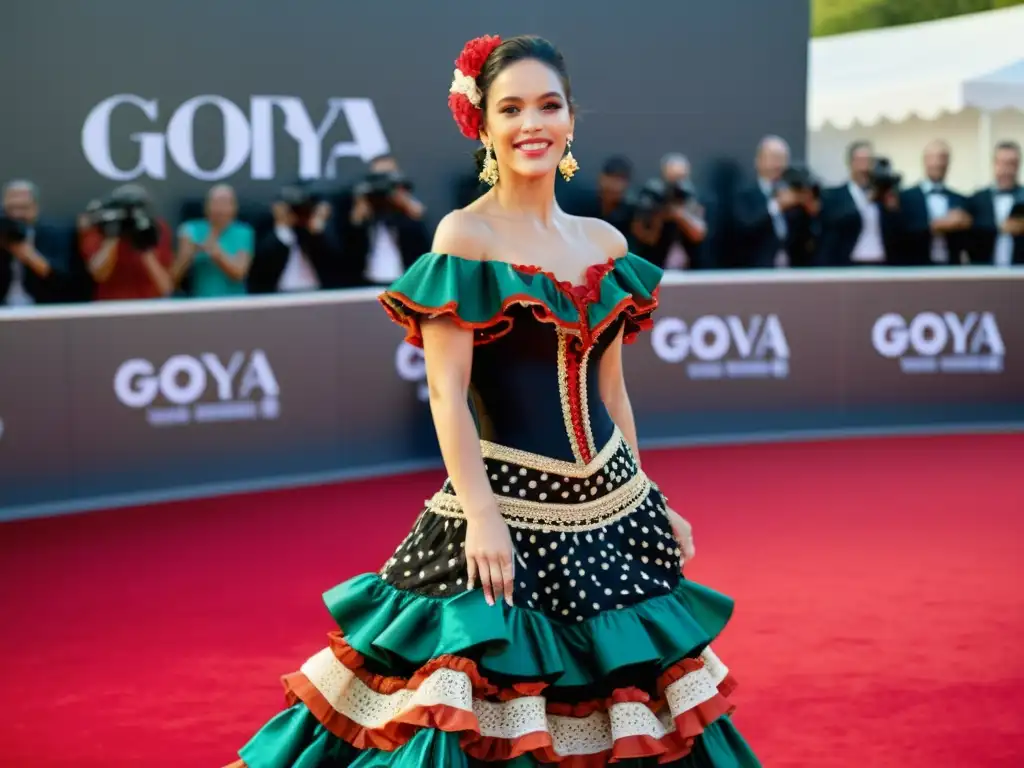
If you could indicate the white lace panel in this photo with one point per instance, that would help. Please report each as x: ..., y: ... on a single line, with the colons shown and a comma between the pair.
x: 510, y: 720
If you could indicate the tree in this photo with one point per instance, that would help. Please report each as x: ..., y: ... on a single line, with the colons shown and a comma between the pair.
x: 832, y: 17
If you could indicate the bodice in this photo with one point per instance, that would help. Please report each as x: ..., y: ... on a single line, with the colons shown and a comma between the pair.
x: 539, y: 343
x: 535, y: 389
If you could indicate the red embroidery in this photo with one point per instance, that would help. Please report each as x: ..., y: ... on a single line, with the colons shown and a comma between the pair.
x: 582, y: 296
x: 573, y: 364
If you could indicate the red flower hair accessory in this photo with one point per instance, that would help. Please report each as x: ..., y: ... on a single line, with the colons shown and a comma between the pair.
x: 464, y: 96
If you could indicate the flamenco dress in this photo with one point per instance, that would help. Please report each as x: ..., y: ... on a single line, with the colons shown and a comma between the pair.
x: 605, y: 656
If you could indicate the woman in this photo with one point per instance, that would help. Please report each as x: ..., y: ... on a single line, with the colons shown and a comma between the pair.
x: 216, y: 251
x: 536, y: 612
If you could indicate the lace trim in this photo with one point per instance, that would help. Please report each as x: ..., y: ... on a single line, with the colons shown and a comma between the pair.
x: 584, y: 516
x: 553, y: 466
x: 510, y: 720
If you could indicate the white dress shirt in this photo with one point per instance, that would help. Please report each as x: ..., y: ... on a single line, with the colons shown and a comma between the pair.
x: 937, y: 201
x: 778, y: 221
x: 1003, y: 254
x: 298, y: 273
x: 870, y: 248
x: 17, y: 296
x: 384, y: 262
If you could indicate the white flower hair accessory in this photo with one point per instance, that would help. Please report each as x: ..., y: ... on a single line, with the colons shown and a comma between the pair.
x: 466, y: 85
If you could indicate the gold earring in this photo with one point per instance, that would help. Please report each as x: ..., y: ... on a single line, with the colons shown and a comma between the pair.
x: 489, y: 173
x: 568, y: 165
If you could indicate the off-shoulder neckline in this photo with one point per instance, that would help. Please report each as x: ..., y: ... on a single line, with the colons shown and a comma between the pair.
x: 592, y: 275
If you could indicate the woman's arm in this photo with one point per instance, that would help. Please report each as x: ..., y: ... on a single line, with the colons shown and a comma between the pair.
x: 448, y: 352
x: 183, y: 260
x: 611, y: 383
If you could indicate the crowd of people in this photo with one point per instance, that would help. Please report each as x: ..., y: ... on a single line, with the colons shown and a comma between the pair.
x: 370, y: 235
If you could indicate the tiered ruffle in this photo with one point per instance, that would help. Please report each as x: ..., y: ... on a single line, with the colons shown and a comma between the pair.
x: 411, y: 675
x: 478, y: 294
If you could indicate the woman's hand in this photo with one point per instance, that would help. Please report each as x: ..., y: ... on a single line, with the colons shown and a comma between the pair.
x: 489, y: 554
x: 682, y: 531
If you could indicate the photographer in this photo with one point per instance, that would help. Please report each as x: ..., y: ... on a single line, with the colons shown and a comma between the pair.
x: 35, y: 257
x: 773, y: 218
x: 610, y: 204
x: 860, y: 220
x: 126, y: 247
x: 384, y: 232
x: 300, y: 253
x: 668, y: 223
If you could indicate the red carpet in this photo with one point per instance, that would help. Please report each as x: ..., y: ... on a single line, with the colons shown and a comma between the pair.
x: 879, y: 621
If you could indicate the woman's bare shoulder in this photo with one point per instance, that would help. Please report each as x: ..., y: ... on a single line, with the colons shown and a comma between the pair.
x: 603, y: 236
x: 463, y: 233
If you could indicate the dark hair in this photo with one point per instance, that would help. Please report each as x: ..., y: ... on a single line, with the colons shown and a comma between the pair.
x: 855, y: 147
x: 1008, y: 144
x: 511, y: 51
x: 617, y: 165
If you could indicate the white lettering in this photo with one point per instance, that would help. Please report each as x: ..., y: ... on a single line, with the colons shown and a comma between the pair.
x: 96, y: 141
x: 724, y: 347
x: 181, y: 138
x: 222, y: 374
x: 929, y: 334
x: 410, y: 363
x: 135, y: 384
x: 246, y: 138
x: 183, y: 380
x: 259, y: 375
x: 932, y: 342
x: 412, y: 366
x: 195, y: 379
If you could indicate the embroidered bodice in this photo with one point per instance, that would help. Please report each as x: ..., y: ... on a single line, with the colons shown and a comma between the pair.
x: 539, y: 342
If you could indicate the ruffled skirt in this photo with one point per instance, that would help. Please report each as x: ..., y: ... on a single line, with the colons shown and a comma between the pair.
x: 604, y: 657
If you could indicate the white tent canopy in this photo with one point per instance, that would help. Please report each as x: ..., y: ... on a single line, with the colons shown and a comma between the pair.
x: 1002, y: 89
x: 920, y: 70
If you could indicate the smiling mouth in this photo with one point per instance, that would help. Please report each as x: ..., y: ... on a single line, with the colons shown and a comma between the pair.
x: 533, y: 145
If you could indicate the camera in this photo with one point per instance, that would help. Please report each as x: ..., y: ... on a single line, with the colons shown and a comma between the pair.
x: 882, y: 177
x: 378, y: 186
x: 658, y: 193
x: 126, y: 213
x: 799, y: 179
x: 302, y: 200
x: 1017, y: 209
x: 12, y: 231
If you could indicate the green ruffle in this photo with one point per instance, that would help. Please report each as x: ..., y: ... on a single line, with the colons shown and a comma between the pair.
x: 478, y: 293
x: 398, y: 632
x: 295, y: 739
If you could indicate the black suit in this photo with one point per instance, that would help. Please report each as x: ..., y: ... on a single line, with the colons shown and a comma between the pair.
x: 271, y: 258
x: 985, y: 229
x: 757, y: 242
x: 411, y: 236
x: 841, y: 225
x: 66, y: 281
x: 915, y: 246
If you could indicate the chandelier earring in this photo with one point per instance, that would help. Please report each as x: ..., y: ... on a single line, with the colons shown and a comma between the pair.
x: 568, y: 165
x: 489, y: 172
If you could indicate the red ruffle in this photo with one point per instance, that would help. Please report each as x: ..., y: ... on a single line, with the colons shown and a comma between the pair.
x: 400, y: 730
x: 638, y: 311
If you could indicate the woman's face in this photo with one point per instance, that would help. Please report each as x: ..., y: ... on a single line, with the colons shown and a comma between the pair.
x: 221, y: 206
x: 528, y: 120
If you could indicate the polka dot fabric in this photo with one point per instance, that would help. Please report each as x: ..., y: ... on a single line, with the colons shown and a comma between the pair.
x: 569, y: 575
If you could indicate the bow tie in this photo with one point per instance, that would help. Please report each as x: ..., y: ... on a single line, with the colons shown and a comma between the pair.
x: 935, y: 189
